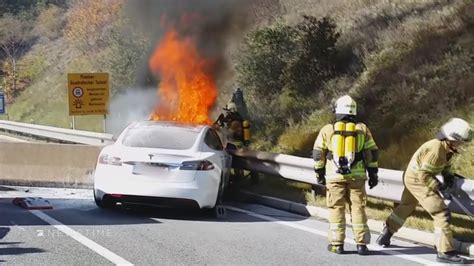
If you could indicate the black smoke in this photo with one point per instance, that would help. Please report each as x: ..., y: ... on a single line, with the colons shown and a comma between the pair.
x: 213, y: 24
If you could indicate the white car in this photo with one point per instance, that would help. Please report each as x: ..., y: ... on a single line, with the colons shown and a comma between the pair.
x: 164, y: 164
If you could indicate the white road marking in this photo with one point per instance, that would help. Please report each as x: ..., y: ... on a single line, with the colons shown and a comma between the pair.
x: 109, y: 255
x: 324, y: 234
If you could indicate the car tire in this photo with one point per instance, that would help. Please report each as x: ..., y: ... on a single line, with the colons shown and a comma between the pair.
x: 102, y: 203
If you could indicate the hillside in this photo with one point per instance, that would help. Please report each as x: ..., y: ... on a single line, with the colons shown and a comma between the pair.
x: 408, y: 63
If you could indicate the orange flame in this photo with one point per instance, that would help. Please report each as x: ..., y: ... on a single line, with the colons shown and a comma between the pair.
x: 187, y: 90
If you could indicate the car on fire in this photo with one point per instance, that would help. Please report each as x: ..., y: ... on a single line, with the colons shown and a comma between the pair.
x: 163, y: 164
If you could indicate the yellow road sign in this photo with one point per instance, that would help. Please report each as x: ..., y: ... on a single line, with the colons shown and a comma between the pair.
x: 88, y: 93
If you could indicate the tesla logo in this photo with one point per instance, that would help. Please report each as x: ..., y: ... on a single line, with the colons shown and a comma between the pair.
x: 151, y: 156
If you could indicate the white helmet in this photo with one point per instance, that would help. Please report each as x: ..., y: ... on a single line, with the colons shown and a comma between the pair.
x: 231, y: 107
x: 346, y: 106
x: 457, y: 129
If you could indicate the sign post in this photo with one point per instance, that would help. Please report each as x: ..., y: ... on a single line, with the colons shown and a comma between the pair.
x: 88, y: 94
x: 105, y: 123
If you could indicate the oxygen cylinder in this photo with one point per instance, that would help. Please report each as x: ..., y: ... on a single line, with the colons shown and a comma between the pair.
x: 350, y: 143
x: 246, y: 126
x: 338, y: 142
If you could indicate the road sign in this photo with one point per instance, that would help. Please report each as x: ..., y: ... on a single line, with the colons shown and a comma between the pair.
x: 2, y: 104
x: 88, y: 93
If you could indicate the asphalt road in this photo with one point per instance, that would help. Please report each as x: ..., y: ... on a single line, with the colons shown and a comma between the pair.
x: 77, y: 232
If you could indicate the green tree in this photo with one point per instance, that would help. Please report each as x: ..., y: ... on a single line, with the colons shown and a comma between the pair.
x: 50, y: 22
x: 263, y: 59
x: 124, y: 55
x: 284, y: 69
x: 15, y: 37
x: 16, y: 6
x: 317, y: 55
x: 88, y: 21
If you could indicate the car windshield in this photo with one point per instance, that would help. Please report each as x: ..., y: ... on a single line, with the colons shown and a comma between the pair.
x: 161, y: 137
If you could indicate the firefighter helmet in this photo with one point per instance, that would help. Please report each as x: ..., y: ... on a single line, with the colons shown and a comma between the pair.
x: 231, y: 107
x: 345, y: 105
x: 457, y: 129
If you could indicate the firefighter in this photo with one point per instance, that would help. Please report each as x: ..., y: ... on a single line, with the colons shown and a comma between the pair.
x: 232, y: 123
x: 422, y: 186
x: 343, y: 152
x: 237, y: 133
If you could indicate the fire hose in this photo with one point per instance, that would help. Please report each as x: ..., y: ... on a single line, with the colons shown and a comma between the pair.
x: 449, y: 195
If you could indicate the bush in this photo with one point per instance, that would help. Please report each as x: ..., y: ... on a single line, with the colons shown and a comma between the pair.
x: 123, y: 56
x: 15, y: 39
x: 88, y: 22
x: 284, y: 68
x: 50, y: 22
x: 263, y: 59
x: 315, y: 58
x: 298, y: 139
x: 12, y: 83
x: 16, y: 6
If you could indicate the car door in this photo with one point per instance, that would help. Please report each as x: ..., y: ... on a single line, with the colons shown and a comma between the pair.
x: 214, y: 142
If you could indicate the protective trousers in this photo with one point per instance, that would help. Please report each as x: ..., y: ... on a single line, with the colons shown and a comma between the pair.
x: 353, y: 193
x: 237, y: 175
x: 415, y: 192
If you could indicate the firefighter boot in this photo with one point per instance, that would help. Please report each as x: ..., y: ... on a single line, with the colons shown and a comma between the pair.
x: 384, y: 238
x: 449, y: 257
x: 362, y: 250
x: 338, y: 249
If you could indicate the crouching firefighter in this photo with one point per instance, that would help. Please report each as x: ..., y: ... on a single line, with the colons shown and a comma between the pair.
x: 343, y: 152
x: 422, y: 186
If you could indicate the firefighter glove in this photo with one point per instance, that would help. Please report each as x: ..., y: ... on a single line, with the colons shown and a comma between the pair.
x: 373, y: 177
x: 321, y: 176
x: 445, y: 191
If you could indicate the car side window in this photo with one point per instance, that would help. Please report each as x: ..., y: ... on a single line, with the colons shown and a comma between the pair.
x: 212, y: 140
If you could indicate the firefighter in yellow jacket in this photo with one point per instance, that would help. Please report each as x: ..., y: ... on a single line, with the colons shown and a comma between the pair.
x: 343, y: 152
x: 422, y: 186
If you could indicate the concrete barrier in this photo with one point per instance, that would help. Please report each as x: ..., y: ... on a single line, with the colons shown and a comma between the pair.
x: 34, y: 164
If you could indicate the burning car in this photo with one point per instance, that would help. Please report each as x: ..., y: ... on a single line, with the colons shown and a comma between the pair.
x: 164, y: 164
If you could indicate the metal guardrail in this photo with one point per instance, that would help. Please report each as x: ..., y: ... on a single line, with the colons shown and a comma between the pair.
x: 294, y: 168
x: 300, y: 169
x: 57, y: 134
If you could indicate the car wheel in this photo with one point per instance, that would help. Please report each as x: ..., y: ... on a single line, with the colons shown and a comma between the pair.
x: 219, y: 211
x: 102, y: 203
